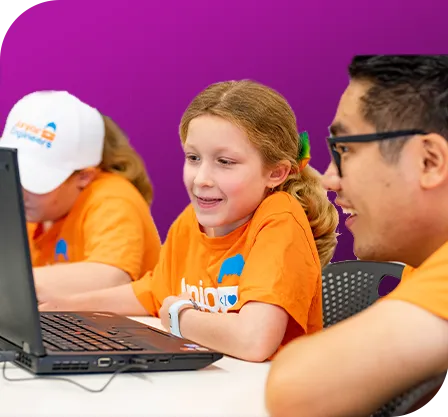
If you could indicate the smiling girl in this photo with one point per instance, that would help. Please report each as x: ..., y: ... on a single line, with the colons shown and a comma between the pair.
x: 251, y: 245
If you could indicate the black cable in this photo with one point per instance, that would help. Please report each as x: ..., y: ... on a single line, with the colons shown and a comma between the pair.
x: 11, y: 356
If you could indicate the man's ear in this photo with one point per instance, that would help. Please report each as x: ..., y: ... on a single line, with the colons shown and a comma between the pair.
x: 434, y: 161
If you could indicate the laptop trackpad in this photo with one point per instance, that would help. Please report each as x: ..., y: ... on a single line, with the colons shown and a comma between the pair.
x: 164, y: 342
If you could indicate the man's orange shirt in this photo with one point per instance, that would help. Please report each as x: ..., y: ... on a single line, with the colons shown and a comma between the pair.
x: 427, y: 285
x: 271, y: 259
x: 110, y: 223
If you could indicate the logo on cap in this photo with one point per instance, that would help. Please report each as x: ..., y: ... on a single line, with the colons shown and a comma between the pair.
x: 43, y: 137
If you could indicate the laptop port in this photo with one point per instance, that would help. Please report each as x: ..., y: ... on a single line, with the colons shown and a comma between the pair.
x: 138, y: 361
x: 104, y: 362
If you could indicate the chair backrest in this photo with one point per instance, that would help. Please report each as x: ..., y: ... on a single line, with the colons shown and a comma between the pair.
x: 351, y: 286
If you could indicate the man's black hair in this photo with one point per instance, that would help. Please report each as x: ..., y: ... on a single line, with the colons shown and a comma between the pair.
x: 407, y: 92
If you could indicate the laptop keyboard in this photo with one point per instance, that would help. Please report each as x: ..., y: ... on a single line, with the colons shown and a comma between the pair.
x: 63, y: 332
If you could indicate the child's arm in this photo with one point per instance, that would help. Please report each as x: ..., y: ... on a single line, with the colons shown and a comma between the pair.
x: 253, y: 334
x: 64, y: 279
x: 120, y: 300
x: 138, y: 298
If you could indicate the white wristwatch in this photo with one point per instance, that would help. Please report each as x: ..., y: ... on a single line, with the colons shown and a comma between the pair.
x: 173, y: 314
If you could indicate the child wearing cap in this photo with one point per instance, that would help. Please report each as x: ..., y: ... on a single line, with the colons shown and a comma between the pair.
x: 240, y: 270
x: 86, y: 194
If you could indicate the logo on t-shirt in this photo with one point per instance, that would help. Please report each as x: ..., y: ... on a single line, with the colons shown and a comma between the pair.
x: 61, y: 250
x: 223, y: 297
x: 231, y: 266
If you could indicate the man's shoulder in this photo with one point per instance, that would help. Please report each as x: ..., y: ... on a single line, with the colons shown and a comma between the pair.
x: 427, y: 285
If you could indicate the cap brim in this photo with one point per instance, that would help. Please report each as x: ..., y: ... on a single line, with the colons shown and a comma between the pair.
x: 38, y: 179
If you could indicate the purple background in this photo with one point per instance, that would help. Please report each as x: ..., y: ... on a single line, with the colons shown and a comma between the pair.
x: 143, y: 65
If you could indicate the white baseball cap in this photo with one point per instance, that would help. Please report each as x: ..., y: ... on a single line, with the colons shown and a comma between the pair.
x: 55, y: 135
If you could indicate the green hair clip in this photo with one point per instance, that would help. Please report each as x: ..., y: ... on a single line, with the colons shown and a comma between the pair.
x: 304, y: 150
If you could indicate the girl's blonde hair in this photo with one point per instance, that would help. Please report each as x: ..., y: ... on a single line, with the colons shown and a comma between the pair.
x: 120, y: 157
x: 271, y: 126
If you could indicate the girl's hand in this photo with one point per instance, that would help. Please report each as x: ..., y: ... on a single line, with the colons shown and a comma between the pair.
x: 167, y: 303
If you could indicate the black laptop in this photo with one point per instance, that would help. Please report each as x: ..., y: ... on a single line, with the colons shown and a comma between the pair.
x: 67, y: 342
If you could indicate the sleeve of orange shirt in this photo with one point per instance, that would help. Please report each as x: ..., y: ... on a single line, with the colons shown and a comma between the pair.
x: 153, y: 287
x: 426, y: 287
x: 281, y: 269
x: 113, y: 235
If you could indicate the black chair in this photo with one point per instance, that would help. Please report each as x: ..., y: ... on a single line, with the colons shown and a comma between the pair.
x: 351, y: 286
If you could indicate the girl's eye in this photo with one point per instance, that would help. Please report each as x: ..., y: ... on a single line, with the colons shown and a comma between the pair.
x: 223, y: 161
x: 192, y: 158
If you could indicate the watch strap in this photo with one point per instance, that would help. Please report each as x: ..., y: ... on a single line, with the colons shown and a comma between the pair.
x: 173, y: 314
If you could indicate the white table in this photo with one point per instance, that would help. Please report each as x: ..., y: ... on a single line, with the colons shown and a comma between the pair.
x: 227, y: 388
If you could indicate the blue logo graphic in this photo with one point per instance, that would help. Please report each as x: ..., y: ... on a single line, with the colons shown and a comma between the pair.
x: 51, y: 126
x: 61, y: 249
x: 231, y: 266
x: 232, y: 299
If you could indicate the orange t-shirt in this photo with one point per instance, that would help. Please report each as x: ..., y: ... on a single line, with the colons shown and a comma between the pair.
x: 427, y: 285
x: 271, y: 259
x: 110, y: 223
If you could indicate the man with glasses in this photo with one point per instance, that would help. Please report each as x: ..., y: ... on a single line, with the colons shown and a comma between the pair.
x: 389, y: 147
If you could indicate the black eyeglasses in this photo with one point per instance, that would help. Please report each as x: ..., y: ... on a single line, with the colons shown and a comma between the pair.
x: 334, y: 140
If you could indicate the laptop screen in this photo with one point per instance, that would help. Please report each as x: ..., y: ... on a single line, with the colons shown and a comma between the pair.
x: 19, y: 316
